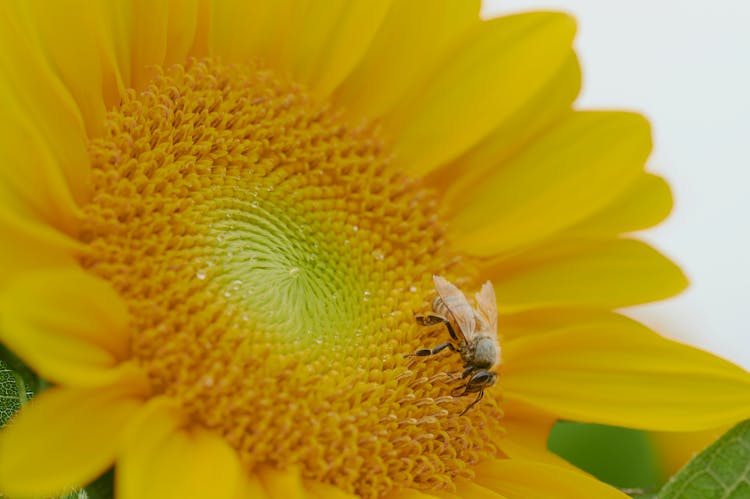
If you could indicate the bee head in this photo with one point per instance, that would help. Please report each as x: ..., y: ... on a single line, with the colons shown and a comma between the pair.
x: 480, y: 380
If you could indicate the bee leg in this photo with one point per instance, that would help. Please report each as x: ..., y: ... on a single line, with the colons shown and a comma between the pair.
x: 429, y: 319
x: 476, y: 400
x: 459, y: 391
x: 432, y: 319
x: 426, y: 351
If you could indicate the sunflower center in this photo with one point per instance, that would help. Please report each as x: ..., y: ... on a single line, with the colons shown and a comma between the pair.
x: 272, y: 261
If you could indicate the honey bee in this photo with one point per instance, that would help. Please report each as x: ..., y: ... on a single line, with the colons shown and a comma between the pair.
x: 476, y: 334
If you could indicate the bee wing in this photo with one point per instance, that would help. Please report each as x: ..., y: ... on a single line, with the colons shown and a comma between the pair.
x: 487, y: 304
x: 459, y: 307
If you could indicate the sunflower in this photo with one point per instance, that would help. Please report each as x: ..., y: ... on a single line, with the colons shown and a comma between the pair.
x: 220, y: 218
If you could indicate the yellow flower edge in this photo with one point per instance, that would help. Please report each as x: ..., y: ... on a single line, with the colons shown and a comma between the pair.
x: 220, y: 217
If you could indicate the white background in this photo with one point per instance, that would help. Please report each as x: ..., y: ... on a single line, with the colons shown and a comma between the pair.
x: 685, y: 64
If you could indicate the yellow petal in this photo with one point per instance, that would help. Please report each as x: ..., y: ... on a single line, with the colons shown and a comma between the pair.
x: 597, y: 273
x: 520, y: 479
x: 572, y: 172
x: 534, y: 321
x: 317, y: 43
x: 162, y: 34
x: 646, y: 203
x: 623, y: 374
x: 282, y: 483
x: 484, y: 80
x: 410, y: 494
x: 466, y: 488
x: 181, y: 30
x: 443, y: 494
x: 63, y: 35
x: 321, y: 490
x: 326, y: 43
x: 410, y: 43
x: 251, y: 488
x: 68, y: 325
x: 65, y: 437
x: 162, y: 458
x: 114, y: 33
x: 201, y: 41
x: 43, y: 143
x: 32, y: 184
x: 240, y: 31
x: 527, y: 430
x: 458, y: 179
x: 675, y: 449
x: 133, y: 37
x: 148, y: 45
x: 33, y: 245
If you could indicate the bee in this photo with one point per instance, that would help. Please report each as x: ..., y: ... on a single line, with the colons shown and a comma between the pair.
x: 475, y: 333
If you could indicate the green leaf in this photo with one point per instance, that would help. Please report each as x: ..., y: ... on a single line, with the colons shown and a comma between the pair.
x: 103, y: 487
x: 18, y: 383
x: 76, y: 494
x: 13, y: 393
x: 722, y: 471
x: 29, y: 377
x: 622, y: 457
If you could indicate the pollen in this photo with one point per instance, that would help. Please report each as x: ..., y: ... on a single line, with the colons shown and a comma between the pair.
x: 272, y: 260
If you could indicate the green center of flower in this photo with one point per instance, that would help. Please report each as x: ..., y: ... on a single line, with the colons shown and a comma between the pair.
x: 289, y: 266
x: 272, y: 262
